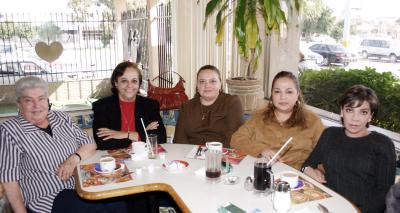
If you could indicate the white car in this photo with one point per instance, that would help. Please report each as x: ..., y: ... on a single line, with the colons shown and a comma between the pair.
x: 312, y: 56
x: 11, y: 71
x: 311, y: 60
x: 381, y: 48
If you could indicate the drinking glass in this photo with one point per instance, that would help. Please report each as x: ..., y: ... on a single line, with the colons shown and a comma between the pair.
x: 153, y: 151
x: 263, y: 176
x: 213, y: 165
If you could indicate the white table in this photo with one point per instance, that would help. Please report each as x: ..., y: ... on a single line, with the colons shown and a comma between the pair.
x: 193, y: 193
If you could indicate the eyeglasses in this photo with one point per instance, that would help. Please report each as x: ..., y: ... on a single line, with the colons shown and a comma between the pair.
x: 202, y: 82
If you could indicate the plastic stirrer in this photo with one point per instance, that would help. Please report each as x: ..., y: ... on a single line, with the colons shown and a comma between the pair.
x: 147, y: 137
x: 279, y: 151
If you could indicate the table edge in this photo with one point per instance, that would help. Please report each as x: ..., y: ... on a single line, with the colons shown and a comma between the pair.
x: 153, y: 187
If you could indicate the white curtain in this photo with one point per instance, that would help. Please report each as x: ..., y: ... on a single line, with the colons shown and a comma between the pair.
x: 195, y: 46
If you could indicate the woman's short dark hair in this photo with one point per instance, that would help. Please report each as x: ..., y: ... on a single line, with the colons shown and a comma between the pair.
x: 210, y: 67
x: 298, y: 117
x: 356, y: 95
x: 119, y: 70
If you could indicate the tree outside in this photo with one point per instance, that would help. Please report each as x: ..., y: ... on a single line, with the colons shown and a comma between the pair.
x: 49, y: 32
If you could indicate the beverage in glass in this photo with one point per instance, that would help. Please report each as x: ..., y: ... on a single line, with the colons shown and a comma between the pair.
x: 153, y: 150
x: 263, y: 176
x: 213, y: 165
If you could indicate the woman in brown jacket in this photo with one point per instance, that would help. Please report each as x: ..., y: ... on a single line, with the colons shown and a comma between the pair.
x: 211, y: 115
x: 284, y: 117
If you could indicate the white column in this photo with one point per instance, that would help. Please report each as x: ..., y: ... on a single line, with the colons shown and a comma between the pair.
x: 284, y: 52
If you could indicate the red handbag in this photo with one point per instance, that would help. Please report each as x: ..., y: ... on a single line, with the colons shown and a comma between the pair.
x: 169, y: 98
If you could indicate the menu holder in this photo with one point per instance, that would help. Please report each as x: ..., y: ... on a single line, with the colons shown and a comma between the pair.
x: 192, y: 153
x: 90, y: 177
x: 234, y: 156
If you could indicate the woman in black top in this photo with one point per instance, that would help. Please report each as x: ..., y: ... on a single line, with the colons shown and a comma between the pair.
x: 357, y: 163
x: 116, y: 120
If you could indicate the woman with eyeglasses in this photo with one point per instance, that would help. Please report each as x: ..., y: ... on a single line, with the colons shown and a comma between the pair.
x: 211, y: 115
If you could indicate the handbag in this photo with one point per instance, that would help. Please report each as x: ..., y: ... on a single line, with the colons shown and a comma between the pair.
x: 169, y: 98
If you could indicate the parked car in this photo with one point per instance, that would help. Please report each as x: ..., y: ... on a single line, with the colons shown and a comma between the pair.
x: 332, y: 53
x: 5, y: 48
x: 311, y: 56
x: 11, y: 71
x: 381, y: 48
x: 309, y: 60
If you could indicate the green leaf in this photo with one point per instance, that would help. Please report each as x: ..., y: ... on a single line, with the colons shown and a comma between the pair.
x: 240, y: 27
x: 219, y: 24
x: 221, y: 31
x: 210, y: 7
x: 252, y: 34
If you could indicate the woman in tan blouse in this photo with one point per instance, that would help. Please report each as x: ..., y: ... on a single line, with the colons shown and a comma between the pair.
x: 284, y: 117
x: 211, y: 115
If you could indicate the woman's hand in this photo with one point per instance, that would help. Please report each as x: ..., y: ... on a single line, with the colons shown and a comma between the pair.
x: 66, y: 169
x: 106, y: 133
x: 152, y: 126
x: 315, y: 174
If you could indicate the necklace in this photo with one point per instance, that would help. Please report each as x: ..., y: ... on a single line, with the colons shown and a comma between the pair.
x: 203, y: 112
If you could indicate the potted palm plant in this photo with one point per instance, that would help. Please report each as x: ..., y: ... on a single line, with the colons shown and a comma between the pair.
x: 247, y: 34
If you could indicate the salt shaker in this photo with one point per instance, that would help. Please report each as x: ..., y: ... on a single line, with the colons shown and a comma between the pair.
x: 281, y: 197
x: 248, y: 183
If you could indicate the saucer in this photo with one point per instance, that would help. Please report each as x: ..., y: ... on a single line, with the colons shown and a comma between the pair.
x: 117, y: 168
x: 175, y: 165
x: 300, y: 185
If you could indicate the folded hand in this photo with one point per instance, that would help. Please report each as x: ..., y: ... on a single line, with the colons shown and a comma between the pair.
x: 66, y: 169
x: 106, y: 134
x: 153, y: 125
x: 315, y: 174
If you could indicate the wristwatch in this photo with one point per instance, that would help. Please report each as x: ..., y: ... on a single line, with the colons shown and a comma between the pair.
x: 303, y: 168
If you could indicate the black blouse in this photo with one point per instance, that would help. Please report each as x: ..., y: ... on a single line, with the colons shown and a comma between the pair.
x: 360, y: 169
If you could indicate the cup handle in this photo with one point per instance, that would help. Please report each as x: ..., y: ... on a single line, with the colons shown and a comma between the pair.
x: 272, y: 178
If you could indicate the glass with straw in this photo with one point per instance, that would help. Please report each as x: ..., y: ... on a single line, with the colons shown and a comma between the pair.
x: 153, y: 152
x: 151, y: 148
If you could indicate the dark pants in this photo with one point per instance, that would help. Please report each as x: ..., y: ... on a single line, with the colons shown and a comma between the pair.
x: 69, y: 201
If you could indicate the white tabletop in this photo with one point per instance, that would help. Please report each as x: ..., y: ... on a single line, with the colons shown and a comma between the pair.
x: 200, y: 196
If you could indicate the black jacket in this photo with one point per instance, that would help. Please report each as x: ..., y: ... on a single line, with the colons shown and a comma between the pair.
x: 107, y: 114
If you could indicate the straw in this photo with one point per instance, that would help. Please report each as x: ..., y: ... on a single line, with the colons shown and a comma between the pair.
x: 147, y: 137
x: 279, y: 151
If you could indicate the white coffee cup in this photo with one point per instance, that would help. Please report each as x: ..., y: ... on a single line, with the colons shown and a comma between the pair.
x: 139, y: 148
x: 291, y: 177
x: 107, y: 164
x: 214, y: 146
